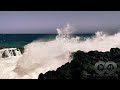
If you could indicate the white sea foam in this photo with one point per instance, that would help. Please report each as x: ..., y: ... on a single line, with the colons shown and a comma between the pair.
x: 42, y: 56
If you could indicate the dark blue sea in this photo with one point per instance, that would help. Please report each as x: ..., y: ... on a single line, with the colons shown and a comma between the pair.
x: 20, y: 40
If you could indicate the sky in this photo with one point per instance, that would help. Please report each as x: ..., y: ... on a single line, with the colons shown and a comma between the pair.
x: 20, y: 22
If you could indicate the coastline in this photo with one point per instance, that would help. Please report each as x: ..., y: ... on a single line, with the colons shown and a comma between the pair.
x: 8, y: 52
x: 82, y: 66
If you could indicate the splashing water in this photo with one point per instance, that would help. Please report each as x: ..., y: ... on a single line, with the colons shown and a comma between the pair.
x: 41, y: 56
x: 65, y: 32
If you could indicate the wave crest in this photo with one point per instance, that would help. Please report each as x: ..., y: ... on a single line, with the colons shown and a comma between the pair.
x: 40, y: 57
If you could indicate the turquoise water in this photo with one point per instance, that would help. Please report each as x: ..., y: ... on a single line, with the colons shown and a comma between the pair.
x: 20, y: 40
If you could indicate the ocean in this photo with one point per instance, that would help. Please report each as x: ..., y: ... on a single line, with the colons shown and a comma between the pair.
x: 47, y: 52
x: 20, y: 40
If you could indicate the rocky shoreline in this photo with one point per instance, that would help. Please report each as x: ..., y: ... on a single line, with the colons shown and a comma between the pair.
x: 83, y: 66
x: 7, y: 52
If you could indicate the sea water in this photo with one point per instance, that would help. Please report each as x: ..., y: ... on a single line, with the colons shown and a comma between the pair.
x: 46, y: 52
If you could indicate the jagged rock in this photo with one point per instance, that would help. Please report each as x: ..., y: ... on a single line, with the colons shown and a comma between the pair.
x: 14, y: 53
x: 4, y: 55
x: 82, y: 65
x: 7, y: 52
x: 21, y: 49
x: 115, y: 53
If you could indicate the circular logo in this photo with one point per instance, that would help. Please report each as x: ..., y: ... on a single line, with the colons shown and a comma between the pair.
x: 99, y: 67
x: 109, y: 67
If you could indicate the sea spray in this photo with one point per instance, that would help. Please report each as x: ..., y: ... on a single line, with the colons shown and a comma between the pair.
x: 45, y: 55
x: 41, y: 56
x: 50, y: 55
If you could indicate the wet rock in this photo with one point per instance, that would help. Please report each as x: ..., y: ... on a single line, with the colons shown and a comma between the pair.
x: 82, y: 65
x: 4, y: 55
x: 115, y: 53
x: 8, y: 52
x: 21, y: 49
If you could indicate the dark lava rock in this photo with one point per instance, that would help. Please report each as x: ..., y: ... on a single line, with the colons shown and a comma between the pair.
x: 82, y: 66
x: 21, y: 49
x: 14, y: 52
x: 4, y: 55
x: 115, y: 53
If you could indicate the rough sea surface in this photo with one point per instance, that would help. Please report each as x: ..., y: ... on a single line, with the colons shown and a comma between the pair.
x: 46, y: 52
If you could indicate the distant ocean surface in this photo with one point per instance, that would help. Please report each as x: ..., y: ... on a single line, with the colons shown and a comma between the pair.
x: 20, y: 40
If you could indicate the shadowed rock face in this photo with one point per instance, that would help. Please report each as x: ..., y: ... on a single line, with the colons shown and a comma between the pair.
x: 82, y: 65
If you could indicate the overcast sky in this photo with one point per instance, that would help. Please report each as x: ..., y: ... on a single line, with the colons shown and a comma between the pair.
x: 48, y: 21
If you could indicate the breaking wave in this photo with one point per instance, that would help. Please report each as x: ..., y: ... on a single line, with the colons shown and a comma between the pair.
x: 44, y: 56
x: 41, y: 56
